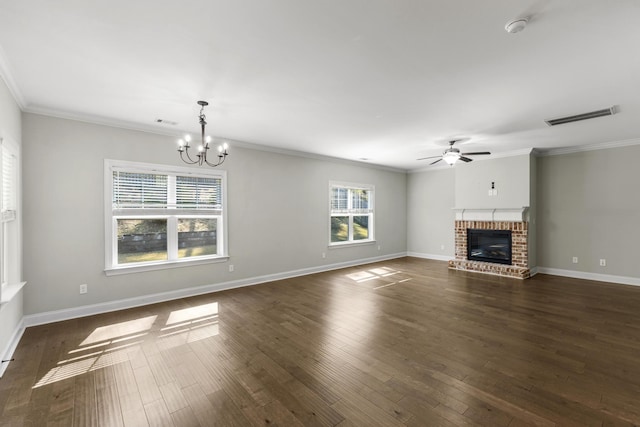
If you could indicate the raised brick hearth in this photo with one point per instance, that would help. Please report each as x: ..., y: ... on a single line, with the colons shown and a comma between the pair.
x: 519, y: 249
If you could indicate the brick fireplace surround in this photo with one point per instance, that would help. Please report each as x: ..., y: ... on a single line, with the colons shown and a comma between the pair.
x: 519, y: 247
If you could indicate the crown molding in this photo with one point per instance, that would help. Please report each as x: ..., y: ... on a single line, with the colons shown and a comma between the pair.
x: 96, y: 120
x: 590, y: 147
x: 7, y: 76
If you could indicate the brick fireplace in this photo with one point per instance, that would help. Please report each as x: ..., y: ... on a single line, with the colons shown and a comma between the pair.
x: 513, y: 220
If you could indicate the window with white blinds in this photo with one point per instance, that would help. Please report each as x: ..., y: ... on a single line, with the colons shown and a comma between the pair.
x: 9, y: 185
x: 351, y: 213
x: 160, y: 216
x: 139, y: 190
x: 198, y: 192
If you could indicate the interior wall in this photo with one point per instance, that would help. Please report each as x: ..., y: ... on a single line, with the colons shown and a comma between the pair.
x: 588, y: 208
x: 511, y: 176
x: 10, y: 127
x: 430, y: 215
x: 278, y: 214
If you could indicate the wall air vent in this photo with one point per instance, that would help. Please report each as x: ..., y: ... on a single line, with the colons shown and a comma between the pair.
x: 585, y: 116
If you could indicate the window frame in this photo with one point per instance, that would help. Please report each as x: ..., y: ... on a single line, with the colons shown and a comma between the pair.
x: 353, y: 213
x: 171, y: 213
x: 10, y: 223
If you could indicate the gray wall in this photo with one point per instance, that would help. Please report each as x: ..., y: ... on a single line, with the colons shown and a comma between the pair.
x: 278, y: 213
x: 511, y: 176
x: 430, y: 215
x: 11, y: 127
x: 589, y: 205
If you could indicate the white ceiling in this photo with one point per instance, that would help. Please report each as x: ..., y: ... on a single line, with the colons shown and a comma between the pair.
x: 386, y: 80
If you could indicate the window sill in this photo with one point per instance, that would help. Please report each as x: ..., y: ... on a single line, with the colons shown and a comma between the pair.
x: 351, y: 244
x: 114, y: 271
x: 10, y: 291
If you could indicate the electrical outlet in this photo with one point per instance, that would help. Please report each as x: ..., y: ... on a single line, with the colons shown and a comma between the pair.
x: 324, y: 255
x: 230, y: 268
x: 603, y: 262
x: 442, y: 247
x: 575, y: 259
x: 379, y: 247
x: 83, y: 288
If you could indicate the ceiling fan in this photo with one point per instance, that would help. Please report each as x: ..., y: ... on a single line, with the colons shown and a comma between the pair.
x: 451, y: 155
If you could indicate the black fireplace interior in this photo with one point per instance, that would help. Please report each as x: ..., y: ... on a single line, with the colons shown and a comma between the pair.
x: 489, y: 245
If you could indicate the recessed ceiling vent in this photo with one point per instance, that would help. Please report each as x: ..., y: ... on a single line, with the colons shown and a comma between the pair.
x: 166, y: 122
x: 584, y: 116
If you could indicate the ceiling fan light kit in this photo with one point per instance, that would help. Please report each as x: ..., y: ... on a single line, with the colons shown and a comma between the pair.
x: 451, y: 155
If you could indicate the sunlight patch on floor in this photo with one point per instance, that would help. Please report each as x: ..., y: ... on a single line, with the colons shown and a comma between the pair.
x: 116, y: 343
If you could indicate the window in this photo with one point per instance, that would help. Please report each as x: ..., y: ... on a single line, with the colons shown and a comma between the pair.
x: 351, y: 207
x: 9, y: 228
x: 162, y: 216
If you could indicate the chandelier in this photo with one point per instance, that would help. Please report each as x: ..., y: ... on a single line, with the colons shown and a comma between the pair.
x: 203, y: 148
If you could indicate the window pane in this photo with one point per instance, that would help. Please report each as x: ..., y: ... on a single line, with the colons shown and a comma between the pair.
x: 339, y: 228
x: 197, y: 237
x: 139, y: 190
x: 142, y: 240
x: 198, y: 192
x: 339, y: 198
x: 360, y: 227
x: 360, y: 199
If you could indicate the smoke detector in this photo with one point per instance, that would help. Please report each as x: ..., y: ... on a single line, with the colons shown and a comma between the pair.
x: 516, y: 25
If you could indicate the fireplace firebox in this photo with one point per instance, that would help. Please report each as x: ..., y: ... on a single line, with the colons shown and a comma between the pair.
x: 489, y: 245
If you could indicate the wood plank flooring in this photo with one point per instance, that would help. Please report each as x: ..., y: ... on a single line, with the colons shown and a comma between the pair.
x: 405, y: 342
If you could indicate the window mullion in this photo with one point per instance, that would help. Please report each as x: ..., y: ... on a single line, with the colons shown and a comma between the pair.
x: 171, y: 191
x: 172, y: 238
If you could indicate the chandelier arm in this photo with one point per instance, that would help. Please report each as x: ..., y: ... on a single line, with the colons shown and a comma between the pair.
x: 221, y: 158
x: 190, y: 161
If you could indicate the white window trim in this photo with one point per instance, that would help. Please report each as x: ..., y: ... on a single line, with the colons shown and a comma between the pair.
x: 110, y: 221
x: 11, y: 242
x: 371, y: 240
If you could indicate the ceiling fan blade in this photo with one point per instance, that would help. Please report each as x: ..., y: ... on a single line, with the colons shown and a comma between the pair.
x: 479, y: 153
x: 425, y: 158
x: 465, y: 159
x: 433, y: 163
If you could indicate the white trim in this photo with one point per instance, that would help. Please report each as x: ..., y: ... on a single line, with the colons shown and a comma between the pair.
x: 7, y: 76
x: 90, y: 310
x: 590, y: 147
x: 500, y: 214
x: 623, y: 280
x: 163, y: 265
x: 9, y: 291
x: 7, y: 354
x: 430, y: 256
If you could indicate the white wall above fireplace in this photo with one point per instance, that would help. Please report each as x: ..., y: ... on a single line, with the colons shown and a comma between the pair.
x: 498, y: 214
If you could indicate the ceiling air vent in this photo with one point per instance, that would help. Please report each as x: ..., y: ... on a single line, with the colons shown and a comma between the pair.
x: 584, y: 116
x: 166, y: 122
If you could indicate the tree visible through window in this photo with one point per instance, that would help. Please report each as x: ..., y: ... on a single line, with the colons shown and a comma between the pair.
x: 351, y: 213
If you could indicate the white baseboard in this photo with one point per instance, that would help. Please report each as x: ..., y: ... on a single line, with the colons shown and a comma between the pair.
x: 7, y: 354
x: 624, y: 280
x: 430, y: 256
x: 89, y: 310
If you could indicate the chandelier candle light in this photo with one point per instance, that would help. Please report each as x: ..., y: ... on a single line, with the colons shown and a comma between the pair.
x: 183, y: 144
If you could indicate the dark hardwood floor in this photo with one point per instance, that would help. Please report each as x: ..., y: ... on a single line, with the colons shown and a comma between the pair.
x: 405, y: 342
